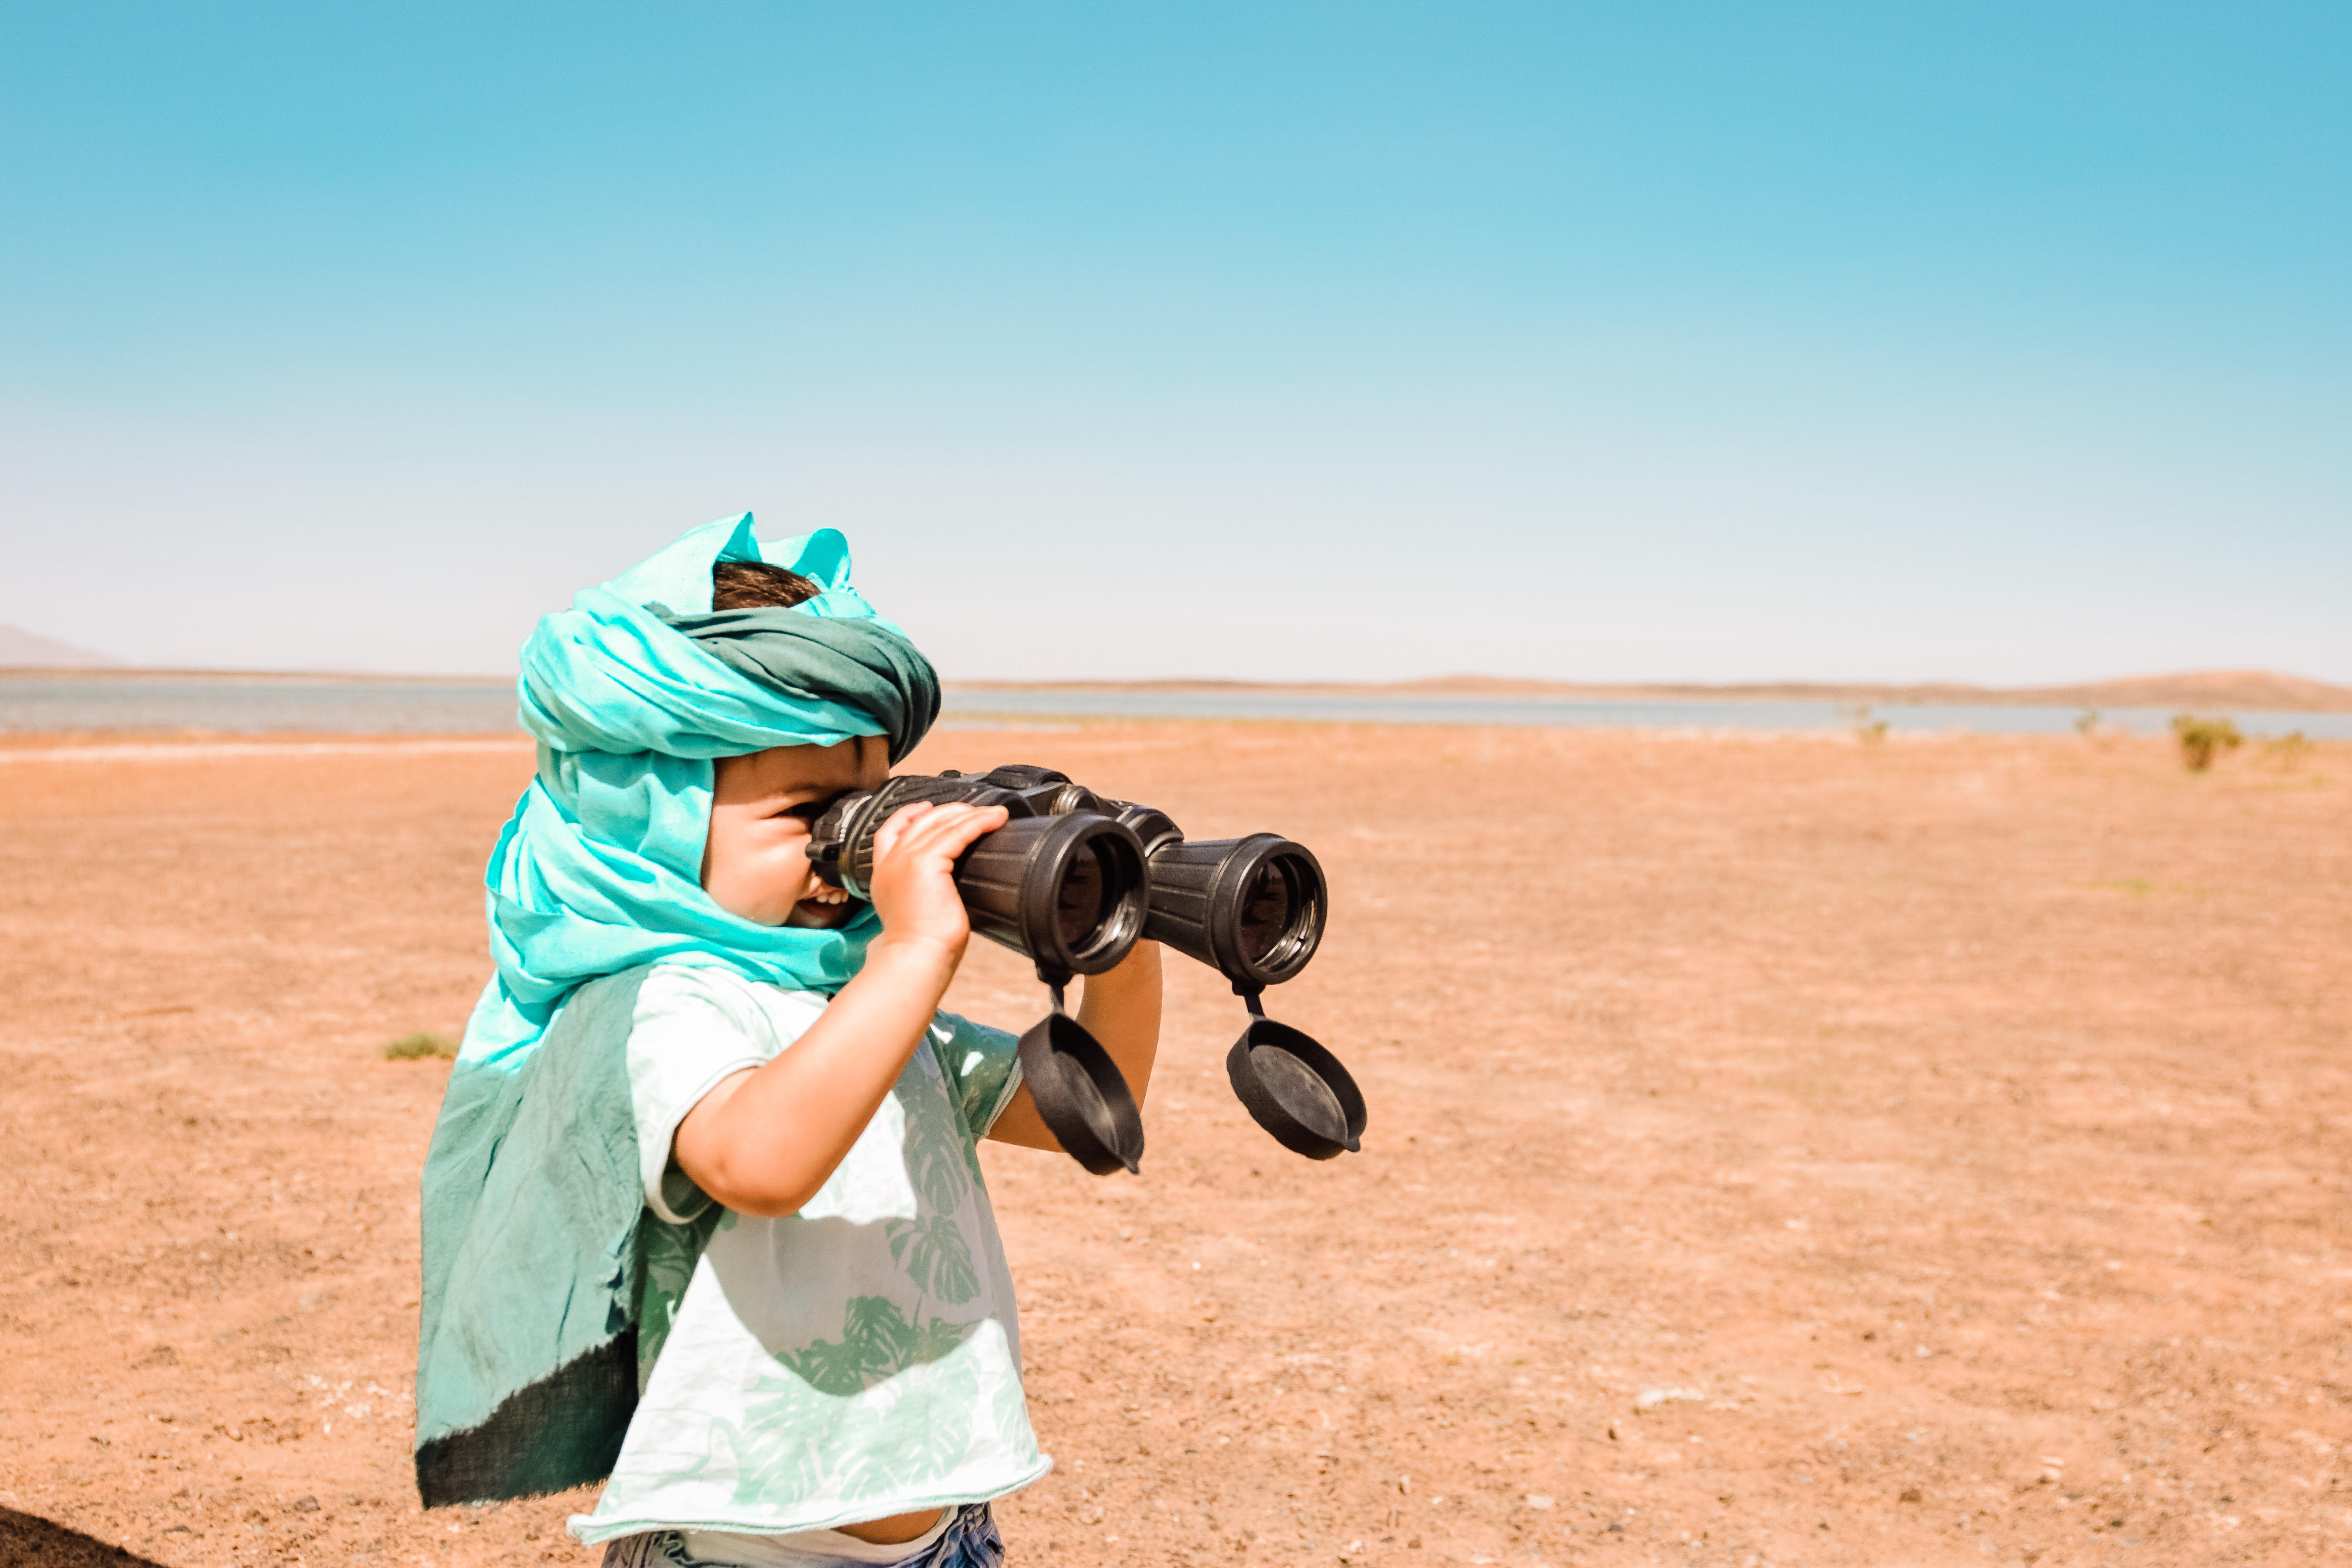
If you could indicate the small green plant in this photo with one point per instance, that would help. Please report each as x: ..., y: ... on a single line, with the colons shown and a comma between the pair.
x: 2201, y: 740
x: 1866, y: 730
x: 2140, y: 888
x: 420, y: 1046
x: 2086, y: 723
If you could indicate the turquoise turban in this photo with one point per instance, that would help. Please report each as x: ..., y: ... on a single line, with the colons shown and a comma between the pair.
x: 630, y: 694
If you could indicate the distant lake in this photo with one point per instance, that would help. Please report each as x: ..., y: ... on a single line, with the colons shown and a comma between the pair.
x: 487, y: 707
x: 255, y: 707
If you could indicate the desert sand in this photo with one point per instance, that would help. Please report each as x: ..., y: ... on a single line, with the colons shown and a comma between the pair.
x: 1784, y: 1150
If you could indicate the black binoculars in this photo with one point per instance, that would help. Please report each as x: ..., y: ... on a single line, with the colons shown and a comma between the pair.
x: 1072, y: 882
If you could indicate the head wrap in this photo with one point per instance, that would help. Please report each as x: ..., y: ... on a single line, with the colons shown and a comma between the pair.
x: 600, y: 868
x: 862, y: 664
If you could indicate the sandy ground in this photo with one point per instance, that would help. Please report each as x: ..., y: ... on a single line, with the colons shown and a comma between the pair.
x: 1789, y: 1151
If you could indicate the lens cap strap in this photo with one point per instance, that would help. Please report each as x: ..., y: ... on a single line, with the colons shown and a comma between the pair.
x: 1055, y: 979
x: 1249, y: 994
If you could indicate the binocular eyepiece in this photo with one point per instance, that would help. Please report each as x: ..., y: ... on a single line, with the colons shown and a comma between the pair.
x: 1072, y: 882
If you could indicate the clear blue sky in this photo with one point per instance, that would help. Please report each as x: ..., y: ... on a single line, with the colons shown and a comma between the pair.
x: 2005, y: 343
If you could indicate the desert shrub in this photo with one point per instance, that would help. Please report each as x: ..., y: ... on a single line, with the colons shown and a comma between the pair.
x: 2202, y: 738
x: 2086, y: 723
x: 419, y: 1046
x: 1866, y: 730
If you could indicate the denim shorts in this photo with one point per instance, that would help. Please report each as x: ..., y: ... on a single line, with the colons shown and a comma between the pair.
x: 970, y: 1541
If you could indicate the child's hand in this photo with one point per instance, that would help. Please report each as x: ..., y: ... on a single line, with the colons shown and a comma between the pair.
x: 764, y: 1140
x: 913, y: 883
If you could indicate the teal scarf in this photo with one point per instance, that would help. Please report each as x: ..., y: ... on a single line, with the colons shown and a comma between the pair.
x: 535, y: 1231
x: 600, y: 868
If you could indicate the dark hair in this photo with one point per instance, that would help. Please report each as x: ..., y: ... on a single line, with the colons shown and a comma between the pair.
x: 756, y: 585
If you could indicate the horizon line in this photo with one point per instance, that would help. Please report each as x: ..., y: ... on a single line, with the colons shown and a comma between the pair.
x: 2239, y: 687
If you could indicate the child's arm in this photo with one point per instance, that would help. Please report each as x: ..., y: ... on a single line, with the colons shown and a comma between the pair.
x: 1120, y: 1007
x: 764, y: 1140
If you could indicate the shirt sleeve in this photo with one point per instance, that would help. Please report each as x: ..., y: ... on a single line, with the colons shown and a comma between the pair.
x: 982, y: 1068
x: 691, y: 1028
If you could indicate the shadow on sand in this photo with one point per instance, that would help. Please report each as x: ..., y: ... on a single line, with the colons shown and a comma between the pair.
x: 29, y: 1542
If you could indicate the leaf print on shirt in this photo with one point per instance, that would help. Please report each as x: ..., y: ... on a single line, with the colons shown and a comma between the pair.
x: 935, y: 1339
x: 814, y: 1409
x: 779, y: 1452
x: 667, y: 1256
x: 895, y: 1443
x: 875, y: 1341
x: 1011, y: 1415
x: 976, y: 1060
x: 935, y: 1146
x: 933, y: 1253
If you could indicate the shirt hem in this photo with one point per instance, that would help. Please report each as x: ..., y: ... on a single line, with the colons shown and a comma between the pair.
x: 590, y: 1531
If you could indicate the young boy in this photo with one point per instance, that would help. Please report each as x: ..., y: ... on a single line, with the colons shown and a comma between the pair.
x: 703, y: 1209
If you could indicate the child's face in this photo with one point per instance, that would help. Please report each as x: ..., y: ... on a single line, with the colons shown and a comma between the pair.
x: 755, y: 862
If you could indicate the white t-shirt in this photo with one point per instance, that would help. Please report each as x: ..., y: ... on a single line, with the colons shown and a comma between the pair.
x: 856, y: 1359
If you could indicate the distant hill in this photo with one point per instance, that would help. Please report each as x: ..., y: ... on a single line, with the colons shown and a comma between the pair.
x: 2222, y: 688
x: 2210, y: 689
x: 22, y: 649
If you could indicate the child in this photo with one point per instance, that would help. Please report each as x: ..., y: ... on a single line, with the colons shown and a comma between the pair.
x: 702, y: 1211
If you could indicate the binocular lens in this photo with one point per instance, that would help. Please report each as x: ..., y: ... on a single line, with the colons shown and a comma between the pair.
x: 1270, y: 905
x: 1068, y: 891
x: 1250, y: 908
x: 1082, y: 904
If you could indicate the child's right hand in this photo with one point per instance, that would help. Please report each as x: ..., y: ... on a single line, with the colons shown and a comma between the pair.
x: 764, y: 1140
x: 912, y: 883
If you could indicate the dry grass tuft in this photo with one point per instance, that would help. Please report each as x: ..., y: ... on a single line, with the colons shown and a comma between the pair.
x: 420, y: 1047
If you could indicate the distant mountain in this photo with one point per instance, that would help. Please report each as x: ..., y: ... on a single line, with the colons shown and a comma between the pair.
x: 21, y: 649
x: 2222, y: 688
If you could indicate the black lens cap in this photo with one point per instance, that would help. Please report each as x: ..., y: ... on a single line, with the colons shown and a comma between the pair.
x: 1297, y: 1090
x: 1081, y: 1095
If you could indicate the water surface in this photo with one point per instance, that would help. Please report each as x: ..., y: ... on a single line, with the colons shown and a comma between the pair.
x: 228, y: 705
